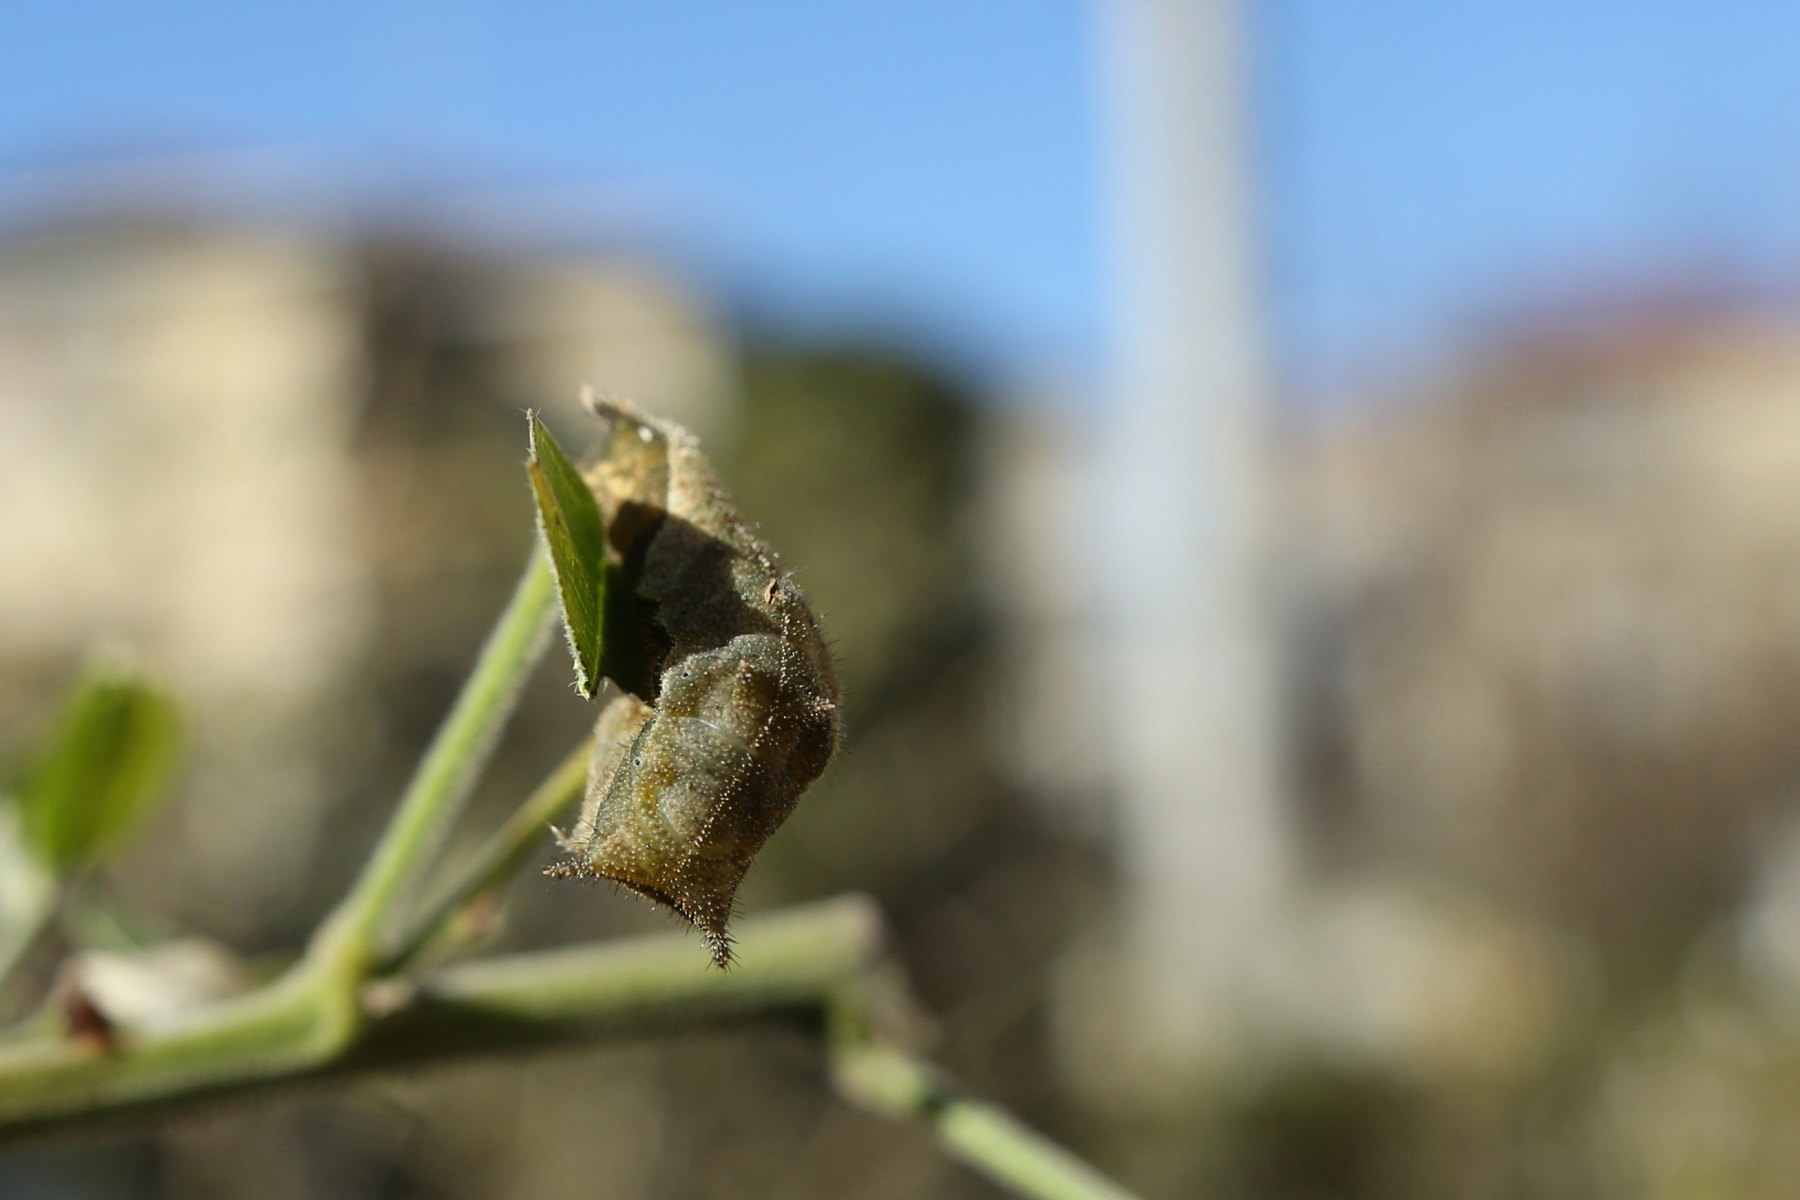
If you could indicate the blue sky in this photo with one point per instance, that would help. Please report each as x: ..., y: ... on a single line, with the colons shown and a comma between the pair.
x: 1428, y: 161
x: 936, y: 167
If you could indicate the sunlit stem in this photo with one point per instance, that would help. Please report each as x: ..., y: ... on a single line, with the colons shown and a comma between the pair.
x: 454, y: 761
x: 493, y: 864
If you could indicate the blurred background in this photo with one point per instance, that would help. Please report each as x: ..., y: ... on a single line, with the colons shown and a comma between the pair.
x: 1306, y: 495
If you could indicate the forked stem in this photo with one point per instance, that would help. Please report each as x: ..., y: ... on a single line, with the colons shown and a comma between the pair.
x: 345, y: 944
x: 492, y: 865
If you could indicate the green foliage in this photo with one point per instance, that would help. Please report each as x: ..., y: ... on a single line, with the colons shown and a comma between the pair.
x: 107, y: 762
x: 570, y: 521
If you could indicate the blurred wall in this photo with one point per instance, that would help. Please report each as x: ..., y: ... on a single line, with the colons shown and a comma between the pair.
x: 1557, y: 627
x: 220, y: 443
x: 1540, y: 620
x: 338, y: 442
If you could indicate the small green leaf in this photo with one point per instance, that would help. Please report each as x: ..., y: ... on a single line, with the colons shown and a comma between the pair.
x: 570, y: 521
x: 27, y: 890
x: 108, y: 761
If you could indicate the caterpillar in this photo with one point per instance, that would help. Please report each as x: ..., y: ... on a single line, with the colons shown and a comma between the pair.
x: 727, y: 705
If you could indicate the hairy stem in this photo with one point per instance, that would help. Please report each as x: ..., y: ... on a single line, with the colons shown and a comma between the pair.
x: 344, y: 945
x: 493, y: 863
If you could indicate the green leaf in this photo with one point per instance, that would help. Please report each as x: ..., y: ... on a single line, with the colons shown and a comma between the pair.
x: 106, y: 764
x: 572, y: 530
x: 27, y: 890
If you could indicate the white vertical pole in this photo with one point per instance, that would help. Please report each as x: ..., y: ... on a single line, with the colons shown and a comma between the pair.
x: 1183, y: 511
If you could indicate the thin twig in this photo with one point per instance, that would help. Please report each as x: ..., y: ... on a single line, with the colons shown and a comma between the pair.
x: 493, y: 863
x: 453, y: 762
x: 887, y: 1080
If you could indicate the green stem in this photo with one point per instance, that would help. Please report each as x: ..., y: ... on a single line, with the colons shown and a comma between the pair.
x: 494, y: 863
x: 888, y: 1081
x: 822, y: 965
x: 276, y: 1036
x: 49, y: 1077
x: 313, y: 1013
x: 344, y: 945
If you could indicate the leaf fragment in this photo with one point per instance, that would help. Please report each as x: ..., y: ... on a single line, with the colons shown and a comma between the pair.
x: 104, y: 767
x: 570, y: 521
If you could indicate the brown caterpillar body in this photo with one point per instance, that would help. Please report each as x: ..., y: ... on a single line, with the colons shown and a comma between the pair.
x: 739, y: 704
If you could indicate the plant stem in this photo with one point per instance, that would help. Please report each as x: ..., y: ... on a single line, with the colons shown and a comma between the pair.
x: 888, y: 1081
x: 822, y: 964
x: 344, y: 944
x: 313, y: 1013
x: 494, y: 863
x: 50, y: 1078
x: 494, y: 1006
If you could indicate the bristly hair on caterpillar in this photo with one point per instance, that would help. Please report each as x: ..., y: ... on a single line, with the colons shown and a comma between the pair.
x: 726, y: 704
